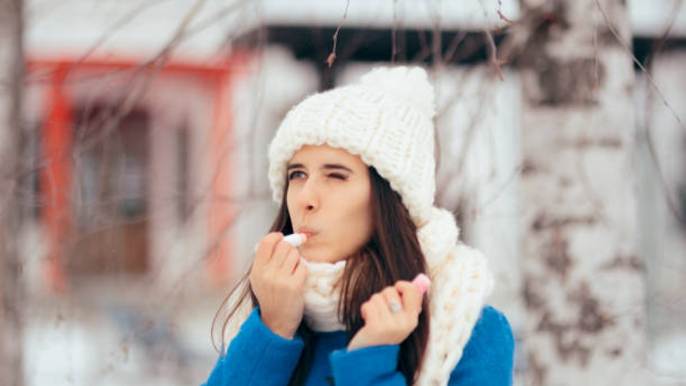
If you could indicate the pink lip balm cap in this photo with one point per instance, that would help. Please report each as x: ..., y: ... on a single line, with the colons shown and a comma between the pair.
x: 422, y: 282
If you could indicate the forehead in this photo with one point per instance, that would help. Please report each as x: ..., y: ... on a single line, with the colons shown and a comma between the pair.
x: 325, y: 154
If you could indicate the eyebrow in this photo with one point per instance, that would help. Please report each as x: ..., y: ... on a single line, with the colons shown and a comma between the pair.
x: 325, y: 167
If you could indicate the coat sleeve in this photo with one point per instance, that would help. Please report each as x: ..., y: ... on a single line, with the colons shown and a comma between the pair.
x: 257, y: 356
x: 376, y: 365
x: 488, y: 358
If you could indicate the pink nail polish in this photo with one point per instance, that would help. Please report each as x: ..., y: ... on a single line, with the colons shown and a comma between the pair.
x: 422, y: 282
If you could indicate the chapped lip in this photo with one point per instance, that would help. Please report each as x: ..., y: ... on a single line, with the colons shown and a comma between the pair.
x: 309, y: 232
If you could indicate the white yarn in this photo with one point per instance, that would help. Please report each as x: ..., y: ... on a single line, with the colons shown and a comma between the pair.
x: 408, y: 85
x: 460, y: 284
x: 322, y: 294
x: 437, y: 236
x: 459, y: 288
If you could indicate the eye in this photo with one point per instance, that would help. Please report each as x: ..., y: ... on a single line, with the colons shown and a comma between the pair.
x: 338, y: 176
x: 296, y: 174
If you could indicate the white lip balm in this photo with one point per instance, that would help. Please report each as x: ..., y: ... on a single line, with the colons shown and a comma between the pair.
x: 296, y: 239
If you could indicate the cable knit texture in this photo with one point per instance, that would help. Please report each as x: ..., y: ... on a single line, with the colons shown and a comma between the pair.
x: 322, y: 294
x: 387, y: 119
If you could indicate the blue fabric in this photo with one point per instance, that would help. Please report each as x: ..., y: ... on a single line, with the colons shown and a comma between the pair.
x: 259, y: 357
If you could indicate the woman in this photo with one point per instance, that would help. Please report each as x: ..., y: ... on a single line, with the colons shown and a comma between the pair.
x: 353, y: 171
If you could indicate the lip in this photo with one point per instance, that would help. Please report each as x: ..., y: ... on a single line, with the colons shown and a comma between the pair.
x: 309, y: 232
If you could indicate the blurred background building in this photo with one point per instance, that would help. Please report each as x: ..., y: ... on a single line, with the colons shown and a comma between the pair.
x: 145, y: 132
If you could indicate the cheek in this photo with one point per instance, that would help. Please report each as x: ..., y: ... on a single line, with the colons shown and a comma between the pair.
x: 359, y: 220
x: 289, y: 205
x: 292, y: 210
x: 290, y: 200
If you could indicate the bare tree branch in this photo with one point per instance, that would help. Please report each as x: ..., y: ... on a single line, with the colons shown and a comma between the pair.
x: 499, y: 11
x: 436, y: 41
x: 640, y: 65
x: 668, y: 29
x: 332, y: 56
x: 454, y: 45
x: 394, y: 30
x: 493, y: 54
x: 111, y: 30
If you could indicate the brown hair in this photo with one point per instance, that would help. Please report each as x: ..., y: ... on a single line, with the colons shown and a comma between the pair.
x: 393, y: 253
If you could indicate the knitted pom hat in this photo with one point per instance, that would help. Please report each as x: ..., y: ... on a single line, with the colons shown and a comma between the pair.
x: 386, y: 119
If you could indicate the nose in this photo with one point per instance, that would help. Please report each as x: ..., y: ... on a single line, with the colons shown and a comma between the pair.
x: 309, y: 195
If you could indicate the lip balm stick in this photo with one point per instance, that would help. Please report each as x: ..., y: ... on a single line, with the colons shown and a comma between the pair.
x: 296, y: 239
x: 422, y: 282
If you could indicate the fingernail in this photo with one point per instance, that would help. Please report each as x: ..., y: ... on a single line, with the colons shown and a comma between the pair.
x: 422, y: 282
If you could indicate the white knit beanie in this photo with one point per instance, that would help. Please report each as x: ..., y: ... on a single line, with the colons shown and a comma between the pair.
x: 386, y: 118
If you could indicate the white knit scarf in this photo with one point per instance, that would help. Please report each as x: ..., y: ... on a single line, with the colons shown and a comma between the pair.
x: 460, y: 283
x: 322, y: 294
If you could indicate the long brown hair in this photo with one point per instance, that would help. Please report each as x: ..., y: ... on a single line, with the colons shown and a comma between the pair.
x: 393, y: 253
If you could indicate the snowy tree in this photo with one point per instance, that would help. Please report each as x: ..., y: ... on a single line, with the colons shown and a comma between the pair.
x: 583, y: 278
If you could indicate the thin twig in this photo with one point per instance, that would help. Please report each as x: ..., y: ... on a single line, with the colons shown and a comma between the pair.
x: 501, y: 15
x: 452, y: 48
x: 437, y: 42
x: 332, y: 55
x: 420, y: 56
x: 153, y: 66
x: 490, y: 46
x: 503, y: 187
x: 663, y: 39
x: 116, y: 26
x: 671, y: 204
x: 141, y: 82
x: 155, y: 63
x: 394, y: 30
x: 493, y: 55
x: 217, y: 16
x: 468, y: 136
x: 640, y: 65
x: 111, y: 30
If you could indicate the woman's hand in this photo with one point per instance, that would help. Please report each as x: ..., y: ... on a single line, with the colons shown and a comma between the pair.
x: 278, y: 281
x: 389, y: 316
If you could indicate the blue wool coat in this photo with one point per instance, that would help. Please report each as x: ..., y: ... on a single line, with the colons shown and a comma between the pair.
x: 256, y: 356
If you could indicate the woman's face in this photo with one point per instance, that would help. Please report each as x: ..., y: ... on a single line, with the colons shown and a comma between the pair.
x: 329, y: 199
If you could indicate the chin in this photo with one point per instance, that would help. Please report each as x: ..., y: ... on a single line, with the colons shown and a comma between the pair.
x: 319, y: 259
x: 313, y: 256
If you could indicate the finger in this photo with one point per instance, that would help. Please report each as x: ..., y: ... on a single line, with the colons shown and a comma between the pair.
x: 381, y: 306
x: 411, y: 297
x: 369, y: 311
x: 265, y: 248
x: 281, y: 250
x: 300, y: 273
x: 290, y: 261
x: 393, y: 300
